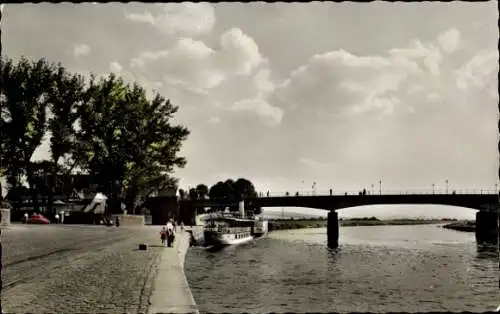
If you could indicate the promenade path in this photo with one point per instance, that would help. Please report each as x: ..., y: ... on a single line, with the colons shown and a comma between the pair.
x: 84, y: 269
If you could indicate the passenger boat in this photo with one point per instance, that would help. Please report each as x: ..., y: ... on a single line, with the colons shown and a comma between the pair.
x: 260, y: 227
x: 222, y: 229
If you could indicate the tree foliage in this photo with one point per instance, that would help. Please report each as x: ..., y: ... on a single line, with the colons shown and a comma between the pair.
x: 107, y: 128
x: 126, y: 141
x: 201, y: 191
x: 23, y: 102
x: 234, y: 191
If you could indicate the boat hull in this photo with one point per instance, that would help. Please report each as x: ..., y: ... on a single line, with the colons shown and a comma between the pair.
x: 223, y: 239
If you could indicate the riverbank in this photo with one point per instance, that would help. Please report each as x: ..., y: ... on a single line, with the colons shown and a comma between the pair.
x: 171, y: 292
x: 322, y: 223
x: 465, y: 226
x: 85, y: 269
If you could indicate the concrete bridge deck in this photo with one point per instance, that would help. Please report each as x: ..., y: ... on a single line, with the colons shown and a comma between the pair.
x: 333, y: 202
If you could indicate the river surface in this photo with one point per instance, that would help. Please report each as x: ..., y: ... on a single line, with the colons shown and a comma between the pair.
x: 376, y: 269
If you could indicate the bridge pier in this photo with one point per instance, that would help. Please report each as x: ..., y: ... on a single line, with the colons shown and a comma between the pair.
x: 332, y: 229
x: 487, y: 227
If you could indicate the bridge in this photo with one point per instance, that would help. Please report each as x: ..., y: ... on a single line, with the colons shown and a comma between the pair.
x: 486, y: 203
x: 483, y: 202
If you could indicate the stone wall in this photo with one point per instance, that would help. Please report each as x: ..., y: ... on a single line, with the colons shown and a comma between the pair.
x: 5, y: 217
x: 131, y: 220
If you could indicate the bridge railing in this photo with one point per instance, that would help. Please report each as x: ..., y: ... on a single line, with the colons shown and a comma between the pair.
x: 377, y: 192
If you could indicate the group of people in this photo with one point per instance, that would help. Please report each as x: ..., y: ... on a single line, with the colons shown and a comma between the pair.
x: 167, y: 233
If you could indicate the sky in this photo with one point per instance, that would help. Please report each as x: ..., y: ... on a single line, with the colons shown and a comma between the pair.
x: 287, y: 94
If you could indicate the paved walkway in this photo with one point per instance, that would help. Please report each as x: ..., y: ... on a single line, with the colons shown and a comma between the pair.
x: 171, y: 292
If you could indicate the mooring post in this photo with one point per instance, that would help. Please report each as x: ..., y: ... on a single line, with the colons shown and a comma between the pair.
x: 332, y: 229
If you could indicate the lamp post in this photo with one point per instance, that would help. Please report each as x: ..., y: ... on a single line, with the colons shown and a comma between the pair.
x: 314, y: 188
x: 433, y: 185
x: 446, y: 186
x: 380, y: 187
x: 372, y: 192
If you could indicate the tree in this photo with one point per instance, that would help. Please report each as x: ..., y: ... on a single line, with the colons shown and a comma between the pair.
x: 153, y: 144
x: 233, y: 192
x: 193, y: 195
x: 182, y: 194
x: 23, y: 102
x: 245, y: 189
x: 65, y: 95
x: 126, y: 141
x: 202, y: 191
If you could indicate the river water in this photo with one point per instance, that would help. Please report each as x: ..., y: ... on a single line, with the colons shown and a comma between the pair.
x: 376, y: 269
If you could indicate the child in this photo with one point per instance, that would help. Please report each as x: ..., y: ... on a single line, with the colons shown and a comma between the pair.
x: 163, y: 235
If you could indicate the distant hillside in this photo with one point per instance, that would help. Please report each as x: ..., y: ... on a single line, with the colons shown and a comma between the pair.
x: 289, y: 214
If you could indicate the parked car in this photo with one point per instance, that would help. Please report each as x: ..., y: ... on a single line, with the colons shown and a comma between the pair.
x: 38, y: 219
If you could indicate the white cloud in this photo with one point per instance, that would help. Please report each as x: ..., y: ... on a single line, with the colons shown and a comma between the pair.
x: 115, y: 67
x: 480, y: 72
x: 263, y: 82
x: 192, y: 64
x: 341, y: 83
x: 80, y: 50
x: 270, y: 115
x: 178, y: 18
x: 214, y: 120
x: 311, y: 163
x: 434, y: 97
x: 449, y: 40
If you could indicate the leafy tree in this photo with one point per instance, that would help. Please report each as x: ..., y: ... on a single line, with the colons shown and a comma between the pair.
x: 65, y: 95
x: 127, y: 141
x: 234, y: 191
x: 182, y: 194
x: 202, y: 191
x: 154, y: 143
x: 245, y: 189
x: 23, y: 101
x: 193, y: 195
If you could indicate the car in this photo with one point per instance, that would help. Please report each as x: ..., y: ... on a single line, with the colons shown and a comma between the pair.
x: 38, y: 219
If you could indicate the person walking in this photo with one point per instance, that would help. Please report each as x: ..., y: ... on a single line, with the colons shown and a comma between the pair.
x: 170, y: 233
x: 163, y: 235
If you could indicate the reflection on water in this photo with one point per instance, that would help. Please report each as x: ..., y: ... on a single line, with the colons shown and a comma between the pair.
x: 378, y: 269
x: 487, y: 251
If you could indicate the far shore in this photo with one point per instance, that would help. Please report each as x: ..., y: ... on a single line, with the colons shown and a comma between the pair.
x: 282, y: 224
x: 465, y: 225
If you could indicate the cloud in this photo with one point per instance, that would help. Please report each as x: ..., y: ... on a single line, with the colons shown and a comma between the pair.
x: 481, y: 72
x: 258, y: 104
x: 214, y: 120
x: 192, y: 64
x: 449, y: 40
x: 315, y: 165
x: 270, y: 115
x: 178, y: 18
x: 80, y: 50
x: 341, y: 83
x: 115, y: 67
x: 434, y: 97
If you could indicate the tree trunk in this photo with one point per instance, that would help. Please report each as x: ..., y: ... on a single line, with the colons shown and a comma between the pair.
x: 130, y: 199
x: 52, y: 185
x: 31, y: 183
